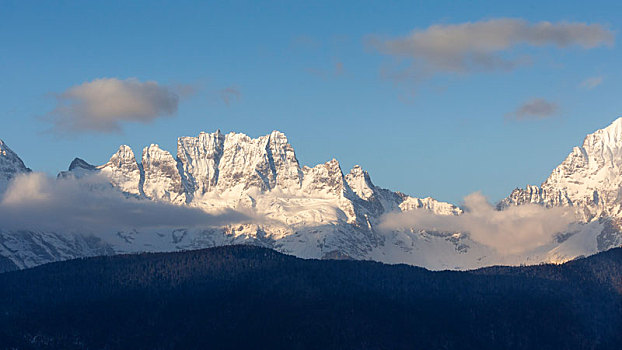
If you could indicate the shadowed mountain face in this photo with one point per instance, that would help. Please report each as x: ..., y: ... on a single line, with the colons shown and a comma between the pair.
x: 251, y: 297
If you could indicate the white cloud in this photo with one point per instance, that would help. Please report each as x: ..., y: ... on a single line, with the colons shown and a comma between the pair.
x: 592, y: 82
x: 31, y: 187
x: 478, y: 46
x: 536, y: 108
x: 90, y: 204
x: 102, y: 105
x: 511, y: 231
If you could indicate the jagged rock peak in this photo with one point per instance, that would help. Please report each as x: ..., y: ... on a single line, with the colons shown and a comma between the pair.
x: 10, y: 158
x: 325, y: 179
x: 78, y: 163
x: 333, y: 163
x: 590, y: 178
x: 10, y: 165
x: 154, y: 148
x: 277, y: 135
x: 162, y: 180
x: 213, y: 161
x: 283, y: 161
x: 611, y: 135
x: 123, y: 170
x: 360, y: 182
x: 124, y: 153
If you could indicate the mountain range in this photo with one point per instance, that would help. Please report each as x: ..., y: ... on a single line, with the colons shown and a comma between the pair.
x: 315, y: 212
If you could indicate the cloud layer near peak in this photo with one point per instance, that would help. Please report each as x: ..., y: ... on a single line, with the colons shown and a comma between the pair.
x: 477, y: 46
x: 102, y: 105
x: 91, y: 205
x: 511, y: 231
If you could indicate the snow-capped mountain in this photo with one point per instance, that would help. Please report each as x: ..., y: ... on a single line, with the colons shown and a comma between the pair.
x: 309, y: 212
x: 320, y: 212
x: 589, y: 179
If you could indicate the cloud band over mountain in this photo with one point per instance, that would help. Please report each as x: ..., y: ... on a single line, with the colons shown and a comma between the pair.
x: 511, y: 231
x: 91, y: 205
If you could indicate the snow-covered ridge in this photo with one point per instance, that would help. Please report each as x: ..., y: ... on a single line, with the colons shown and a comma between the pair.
x: 236, y: 165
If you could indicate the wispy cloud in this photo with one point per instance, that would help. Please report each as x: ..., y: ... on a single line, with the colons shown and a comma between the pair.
x: 480, y: 46
x: 536, y: 108
x: 511, y: 231
x: 592, y: 82
x: 229, y: 94
x: 103, y: 105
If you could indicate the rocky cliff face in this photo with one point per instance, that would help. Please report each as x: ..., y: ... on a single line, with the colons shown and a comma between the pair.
x: 161, y: 178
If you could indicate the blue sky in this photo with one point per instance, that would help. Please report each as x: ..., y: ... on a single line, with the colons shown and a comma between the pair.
x: 316, y: 72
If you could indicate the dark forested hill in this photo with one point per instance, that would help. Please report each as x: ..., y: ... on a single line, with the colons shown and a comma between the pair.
x: 247, y: 297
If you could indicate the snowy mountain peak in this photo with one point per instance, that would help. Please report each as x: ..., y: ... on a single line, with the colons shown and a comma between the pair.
x: 123, y: 170
x: 324, y: 179
x: 124, y: 153
x: 10, y: 165
x: 162, y: 180
x: 590, y: 178
x: 79, y: 163
x: 360, y: 182
x: 8, y: 157
x: 277, y: 135
x: 78, y: 168
x: 613, y: 131
x: 154, y: 148
x: 283, y: 161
